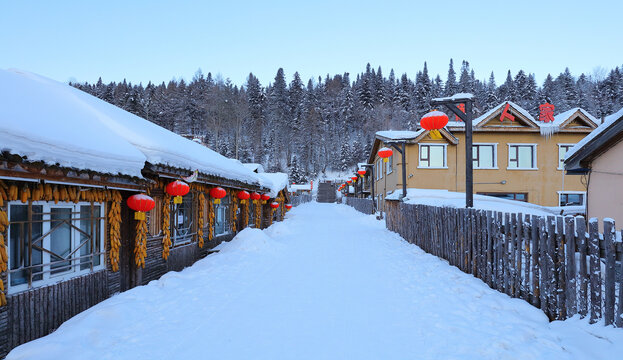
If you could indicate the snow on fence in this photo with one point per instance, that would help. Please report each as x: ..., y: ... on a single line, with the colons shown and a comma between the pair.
x: 555, y: 263
x: 297, y: 200
x: 361, y: 205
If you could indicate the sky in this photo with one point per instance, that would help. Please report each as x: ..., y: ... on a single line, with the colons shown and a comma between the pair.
x: 157, y: 41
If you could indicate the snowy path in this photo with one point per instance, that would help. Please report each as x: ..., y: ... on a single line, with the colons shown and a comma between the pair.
x: 328, y: 283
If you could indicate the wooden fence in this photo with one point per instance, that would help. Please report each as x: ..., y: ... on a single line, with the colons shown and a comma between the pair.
x: 362, y: 205
x: 562, y: 265
x: 297, y: 200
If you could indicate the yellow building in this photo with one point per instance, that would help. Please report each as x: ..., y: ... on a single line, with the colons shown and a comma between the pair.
x: 517, y: 158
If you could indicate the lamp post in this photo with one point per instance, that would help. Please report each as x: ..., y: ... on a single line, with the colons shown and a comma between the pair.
x: 451, y: 103
x: 400, y: 147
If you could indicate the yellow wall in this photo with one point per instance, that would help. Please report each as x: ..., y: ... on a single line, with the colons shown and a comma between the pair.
x: 541, y: 185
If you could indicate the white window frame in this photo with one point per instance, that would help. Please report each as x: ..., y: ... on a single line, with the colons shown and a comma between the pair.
x: 445, y: 156
x: 495, y: 156
x: 74, y: 271
x: 390, y: 165
x: 380, y: 169
x: 534, y: 156
x: 560, y: 193
x: 561, y: 161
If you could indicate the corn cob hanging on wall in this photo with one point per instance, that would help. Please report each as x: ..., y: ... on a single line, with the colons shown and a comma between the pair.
x: 234, y: 210
x: 4, y: 224
x: 166, y: 223
x: 114, y: 223
x: 200, y: 220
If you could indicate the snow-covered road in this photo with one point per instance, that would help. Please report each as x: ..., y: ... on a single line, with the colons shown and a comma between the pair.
x: 327, y: 283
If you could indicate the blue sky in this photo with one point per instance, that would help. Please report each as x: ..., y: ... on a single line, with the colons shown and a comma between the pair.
x: 159, y: 40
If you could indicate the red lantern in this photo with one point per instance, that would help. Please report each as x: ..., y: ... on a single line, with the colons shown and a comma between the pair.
x: 177, y: 189
x: 243, y: 196
x: 354, y: 178
x: 385, y: 153
x: 433, y: 121
x: 274, y: 204
x: 265, y: 198
x: 218, y: 193
x: 288, y: 206
x: 349, y: 181
x: 140, y: 203
x: 361, y: 172
x: 255, y: 196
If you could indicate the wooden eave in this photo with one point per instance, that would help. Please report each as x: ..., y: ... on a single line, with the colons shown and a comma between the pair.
x: 154, y: 171
x: 608, y: 138
x: 444, y: 132
x: 17, y: 167
x: 591, y: 125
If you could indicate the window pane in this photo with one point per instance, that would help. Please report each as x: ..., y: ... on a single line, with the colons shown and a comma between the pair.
x: 436, y: 156
x: 571, y: 199
x: 562, y: 151
x: 512, y: 157
x: 423, y: 152
x: 85, y: 225
x: 486, y: 156
x: 525, y: 157
x: 18, y: 242
x: 60, y: 238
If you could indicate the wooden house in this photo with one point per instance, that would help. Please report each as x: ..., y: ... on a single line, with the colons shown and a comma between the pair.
x: 68, y: 163
x: 598, y: 161
x: 515, y: 156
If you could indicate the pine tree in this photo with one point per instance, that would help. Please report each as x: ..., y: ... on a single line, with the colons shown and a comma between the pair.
x: 451, y: 86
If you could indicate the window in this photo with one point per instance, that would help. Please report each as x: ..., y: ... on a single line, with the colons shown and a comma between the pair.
x: 59, y: 241
x: 251, y: 213
x: 509, y: 196
x: 484, y: 156
x: 571, y: 198
x: 521, y: 156
x: 221, y: 217
x: 379, y: 169
x: 390, y: 163
x: 562, y: 151
x: 182, y: 219
x: 432, y: 156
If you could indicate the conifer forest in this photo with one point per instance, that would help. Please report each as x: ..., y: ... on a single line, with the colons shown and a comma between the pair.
x: 309, y: 127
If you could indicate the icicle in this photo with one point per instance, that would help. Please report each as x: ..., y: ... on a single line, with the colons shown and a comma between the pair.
x: 548, y: 130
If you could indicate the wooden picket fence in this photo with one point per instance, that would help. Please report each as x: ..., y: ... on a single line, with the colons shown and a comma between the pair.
x: 297, y: 200
x: 555, y: 263
x: 363, y: 205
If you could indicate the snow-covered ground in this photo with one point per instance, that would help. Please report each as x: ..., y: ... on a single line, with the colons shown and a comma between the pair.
x: 327, y: 283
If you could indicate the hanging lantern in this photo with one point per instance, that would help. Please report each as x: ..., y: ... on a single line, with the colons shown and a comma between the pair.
x: 177, y: 189
x: 265, y: 198
x: 243, y: 196
x: 274, y: 204
x: 141, y: 203
x: 433, y: 122
x: 217, y: 194
x: 385, y: 153
x: 361, y: 172
x: 255, y: 197
x: 288, y: 206
x: 349, y: 181
x: 354, y: 178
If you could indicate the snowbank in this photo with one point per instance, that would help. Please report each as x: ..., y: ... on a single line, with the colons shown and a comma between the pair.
x: 399, y: 134
x: 447, y: 198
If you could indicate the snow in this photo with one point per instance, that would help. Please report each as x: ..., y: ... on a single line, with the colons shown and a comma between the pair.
x: 456, y: 97
x: 447, y: 198
x: 399, y: 134
x: 547, y: 129
x: 275, y: 182
x: 327, y: 283
x: 46, y: 121
x: 295, y: 187
x: 477, y: 120
x: 258, y: 168
x: 59, y: 115
x: 608, y: 121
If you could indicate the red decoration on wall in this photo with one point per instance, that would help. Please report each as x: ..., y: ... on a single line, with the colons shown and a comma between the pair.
x: 243, y: 196
x: 177, y: 189
x: 274, y: 204
x: 255, y: 196
x: 265, y: 197
x: 546, y: 112
x: 141, y: 203
x: 506, y: 114
x: 462, y: 108
x: 217, y: 194
x: 288, y: 206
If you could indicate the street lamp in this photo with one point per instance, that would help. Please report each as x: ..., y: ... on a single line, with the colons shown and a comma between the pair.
x: 371, y: 167
x: 452, y: 103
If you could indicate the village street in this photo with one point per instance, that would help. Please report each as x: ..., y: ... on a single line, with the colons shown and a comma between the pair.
x: 326, y: 283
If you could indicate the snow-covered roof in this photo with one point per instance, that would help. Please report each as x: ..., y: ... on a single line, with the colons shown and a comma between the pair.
x: 447, y: 198
x: 43, y: 120
x: 482, y: 117
x: 295, y: 187
x: 88, y: 133
x: 258, y: 168
x: 275, y: 182
x: 399, y: 134
x: 554, y: 126
x: 456, y: 97
x: 608, y: 122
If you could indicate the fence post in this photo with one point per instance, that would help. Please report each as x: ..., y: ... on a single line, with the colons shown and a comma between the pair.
x: 582, y: 240
x: 570, y: 281
x: 619, y: 314
x: 595, y: 271
x: 561, y: 269
x: 609, y: 294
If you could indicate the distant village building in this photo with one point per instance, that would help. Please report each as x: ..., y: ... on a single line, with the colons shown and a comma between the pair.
x: 515, y: 156
x: 598, y: 161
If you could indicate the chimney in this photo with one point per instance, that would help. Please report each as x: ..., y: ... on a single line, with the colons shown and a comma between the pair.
x: 546, y: 112
x: 462, y: 108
